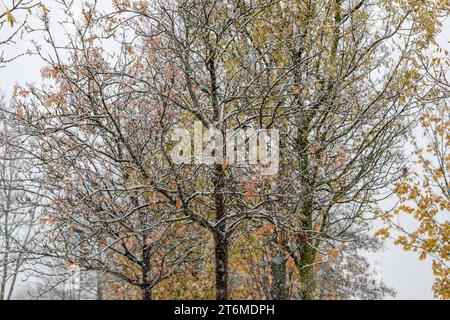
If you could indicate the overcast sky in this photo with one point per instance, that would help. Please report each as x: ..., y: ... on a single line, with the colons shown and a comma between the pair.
x: 400, y: 270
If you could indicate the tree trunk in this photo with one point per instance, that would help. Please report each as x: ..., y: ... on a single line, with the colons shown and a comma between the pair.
x: 5, y: 260
x: 99, y: 279
x: 221, y: 255
x: 146, y: 288
x: 307, y: 272
x: 307, y: 253
x: 146, y: 291
x: 220, y: 236
x: 218, y: 179
x: 279, y: 288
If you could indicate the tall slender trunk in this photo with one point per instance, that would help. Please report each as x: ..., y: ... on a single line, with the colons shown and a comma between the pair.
x: 279, y: 290
x: 5, y: 260
x: 221, y: 255
x: 4, y: 276
x: 307, y: 272
x: 99, y: 279
x: 305, y: 265
x: 218, y: 179
x: 220, y: 236
x: 146, y: 287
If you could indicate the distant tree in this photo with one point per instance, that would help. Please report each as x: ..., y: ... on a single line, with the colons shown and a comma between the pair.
x: 18, y: 214
x: 346, y: 274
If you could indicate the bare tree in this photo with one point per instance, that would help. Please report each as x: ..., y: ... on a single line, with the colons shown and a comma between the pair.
x: 18, y: 215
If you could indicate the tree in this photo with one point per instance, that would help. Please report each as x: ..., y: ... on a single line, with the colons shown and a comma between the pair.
x: 18, y: 214
x: 91, y: 135
x: 424, y: 194
x: 196, y: 44
x: 347, y: 104
x: 346, y: 274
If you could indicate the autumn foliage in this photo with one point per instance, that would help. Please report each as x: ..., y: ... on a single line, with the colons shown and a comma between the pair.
x: 342, y: 82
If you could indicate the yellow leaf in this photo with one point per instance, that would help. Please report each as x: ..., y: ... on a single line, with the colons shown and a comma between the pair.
x: 10, y: 18
x: 45, y: 9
